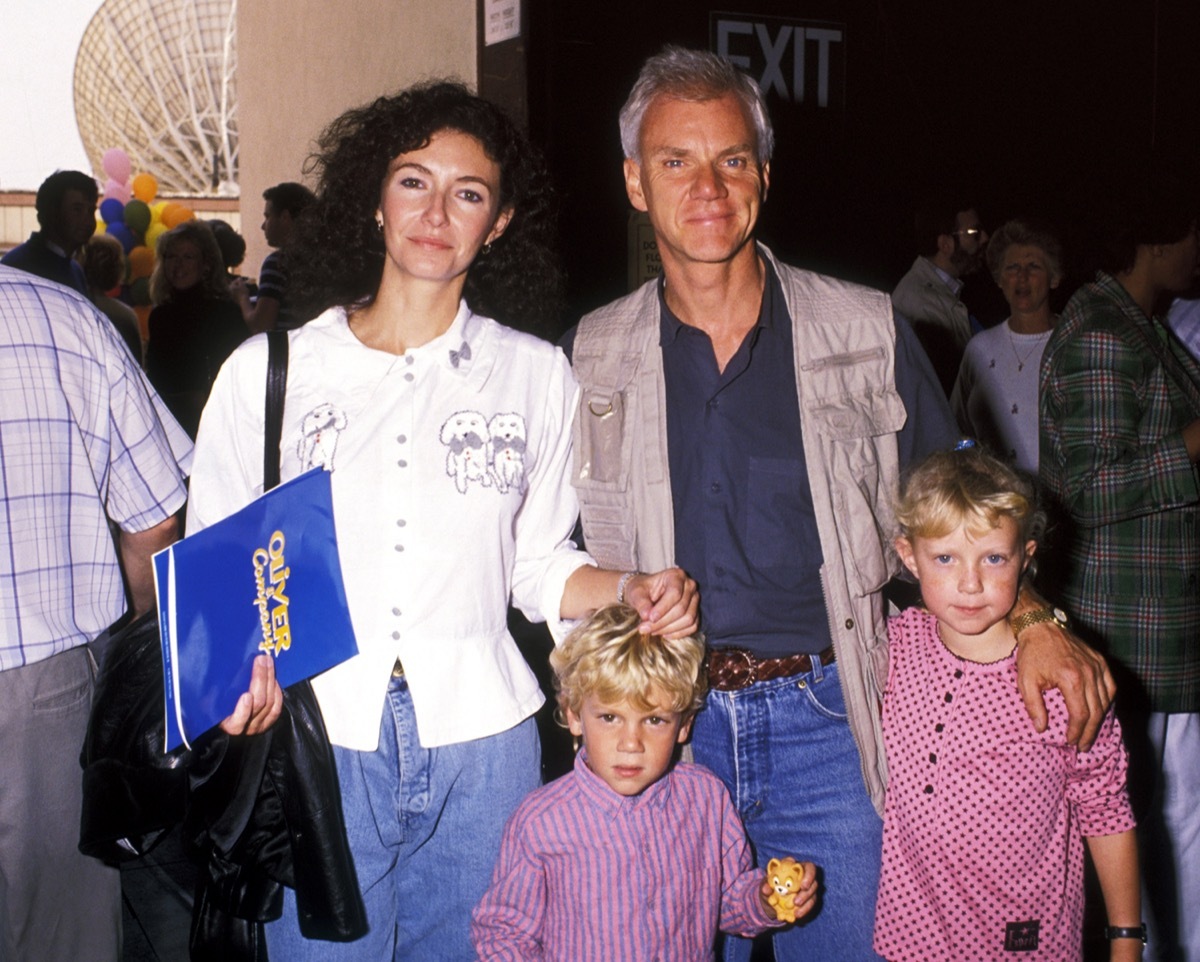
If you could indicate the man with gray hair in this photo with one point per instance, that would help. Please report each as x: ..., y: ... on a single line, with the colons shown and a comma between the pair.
x: 747, y: 421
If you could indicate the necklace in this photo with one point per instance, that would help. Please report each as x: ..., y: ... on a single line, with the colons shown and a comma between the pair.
x: 1012, y: 342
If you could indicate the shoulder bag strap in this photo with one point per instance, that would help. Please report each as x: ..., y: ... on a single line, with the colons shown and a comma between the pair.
x: 277, y: 364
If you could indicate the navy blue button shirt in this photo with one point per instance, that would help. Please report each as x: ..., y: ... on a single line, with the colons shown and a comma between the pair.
x: 744, y: 522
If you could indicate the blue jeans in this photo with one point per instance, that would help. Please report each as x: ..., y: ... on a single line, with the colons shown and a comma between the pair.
x: 784, y: 750
x: 424, y: 828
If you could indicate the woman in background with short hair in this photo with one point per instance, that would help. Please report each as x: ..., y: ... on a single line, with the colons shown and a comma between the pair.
x: 995, y: 398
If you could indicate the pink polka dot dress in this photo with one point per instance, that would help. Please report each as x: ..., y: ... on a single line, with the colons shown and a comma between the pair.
x: 985, y: 818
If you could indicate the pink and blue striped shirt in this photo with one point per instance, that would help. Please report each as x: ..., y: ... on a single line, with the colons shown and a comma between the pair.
x: 587, y: 874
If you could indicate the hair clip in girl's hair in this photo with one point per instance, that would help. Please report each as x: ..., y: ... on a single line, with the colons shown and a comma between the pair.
x: 965, y: 444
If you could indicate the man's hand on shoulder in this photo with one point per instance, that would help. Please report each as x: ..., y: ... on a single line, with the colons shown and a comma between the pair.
x: 1049, y: 656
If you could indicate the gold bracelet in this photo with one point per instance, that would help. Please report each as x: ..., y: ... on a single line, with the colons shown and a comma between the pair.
x: 1037, y: 616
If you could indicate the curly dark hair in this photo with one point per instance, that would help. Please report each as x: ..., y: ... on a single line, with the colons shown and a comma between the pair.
x: 337, y: 257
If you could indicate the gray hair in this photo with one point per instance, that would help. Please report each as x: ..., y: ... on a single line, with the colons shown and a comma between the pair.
x: 693, y: 75
x: 1027, y: 233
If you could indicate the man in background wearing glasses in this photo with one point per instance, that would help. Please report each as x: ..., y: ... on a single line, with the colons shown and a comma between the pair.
x: 951, y: 240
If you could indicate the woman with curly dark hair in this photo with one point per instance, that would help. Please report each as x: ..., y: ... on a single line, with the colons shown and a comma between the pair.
x: 339, y: 256
x: 448, y: 435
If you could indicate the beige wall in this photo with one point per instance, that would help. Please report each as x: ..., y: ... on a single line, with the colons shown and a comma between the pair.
x: 302, y: 62
x: 18, y: 219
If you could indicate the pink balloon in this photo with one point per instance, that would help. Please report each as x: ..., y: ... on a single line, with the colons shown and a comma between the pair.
x: 118, y: 190
x: 117, y: 165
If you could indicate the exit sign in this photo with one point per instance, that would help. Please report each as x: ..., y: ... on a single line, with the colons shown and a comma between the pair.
x: 801, y: 61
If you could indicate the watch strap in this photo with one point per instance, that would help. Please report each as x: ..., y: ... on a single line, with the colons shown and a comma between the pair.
x: 1126, y: 932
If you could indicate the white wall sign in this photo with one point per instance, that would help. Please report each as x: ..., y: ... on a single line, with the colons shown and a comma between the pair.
x: 501, y: 21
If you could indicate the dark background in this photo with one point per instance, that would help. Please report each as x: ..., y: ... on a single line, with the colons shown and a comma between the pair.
x: 1031, y: 106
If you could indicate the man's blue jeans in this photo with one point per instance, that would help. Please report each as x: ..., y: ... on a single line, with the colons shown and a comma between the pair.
x: 785, y: 752
x: 424, y: 828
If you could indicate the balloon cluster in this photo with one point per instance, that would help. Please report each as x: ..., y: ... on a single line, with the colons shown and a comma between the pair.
x: 130, y: 213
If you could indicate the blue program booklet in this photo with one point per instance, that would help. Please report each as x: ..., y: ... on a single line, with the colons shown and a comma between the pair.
x: 266, y: 579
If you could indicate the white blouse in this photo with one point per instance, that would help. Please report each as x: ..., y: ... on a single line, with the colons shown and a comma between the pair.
x: 451, y: 492
x: 995, y: 397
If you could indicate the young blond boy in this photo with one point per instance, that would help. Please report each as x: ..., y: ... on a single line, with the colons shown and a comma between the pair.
x: 629, y: 856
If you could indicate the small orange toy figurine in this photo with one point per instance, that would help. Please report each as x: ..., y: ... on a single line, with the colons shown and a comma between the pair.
x: 785, y: 876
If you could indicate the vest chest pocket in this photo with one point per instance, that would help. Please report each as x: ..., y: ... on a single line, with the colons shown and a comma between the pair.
x: 858, y: 435
x: 600, y: 460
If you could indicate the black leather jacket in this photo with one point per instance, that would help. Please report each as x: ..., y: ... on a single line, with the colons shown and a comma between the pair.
x: 260, y: 812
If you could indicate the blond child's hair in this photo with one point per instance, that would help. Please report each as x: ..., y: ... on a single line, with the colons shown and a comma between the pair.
x: 966, y: 487
x: 608, y: 657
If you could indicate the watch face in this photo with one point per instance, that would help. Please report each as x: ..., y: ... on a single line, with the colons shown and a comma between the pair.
x: 1060, y: 616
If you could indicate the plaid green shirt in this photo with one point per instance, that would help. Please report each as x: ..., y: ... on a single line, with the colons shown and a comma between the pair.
x: 1116, y: 391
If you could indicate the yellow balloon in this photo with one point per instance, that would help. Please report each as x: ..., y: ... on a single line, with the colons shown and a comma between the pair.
x: 145, y: 187
x: 153, y: 232
x: 156, y: 211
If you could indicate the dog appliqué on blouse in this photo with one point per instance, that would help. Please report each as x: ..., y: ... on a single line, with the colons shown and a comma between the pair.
x: 486, y: 452
x: 319, y: 432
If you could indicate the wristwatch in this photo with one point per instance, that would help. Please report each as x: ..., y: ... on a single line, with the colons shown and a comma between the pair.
x: 1036, y: 617
x: 1126, y: 932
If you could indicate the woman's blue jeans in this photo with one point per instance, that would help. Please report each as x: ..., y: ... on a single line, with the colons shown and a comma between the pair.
x: 424, y: 828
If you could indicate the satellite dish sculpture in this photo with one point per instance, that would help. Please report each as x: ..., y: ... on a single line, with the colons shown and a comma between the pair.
x: 158, y: 78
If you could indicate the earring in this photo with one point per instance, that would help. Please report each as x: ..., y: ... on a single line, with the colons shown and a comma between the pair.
x: 486, y: 249
x: 379, y: 224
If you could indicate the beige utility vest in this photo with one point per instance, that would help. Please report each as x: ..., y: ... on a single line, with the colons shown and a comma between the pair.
x: 844, y: 343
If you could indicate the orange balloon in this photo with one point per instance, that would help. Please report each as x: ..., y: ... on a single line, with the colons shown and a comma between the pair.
x: 141, y: 262
x: 175, y: 214
x: 145, y: 187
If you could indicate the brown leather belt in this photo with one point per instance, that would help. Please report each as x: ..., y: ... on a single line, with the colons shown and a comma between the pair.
x: 731, y: 669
